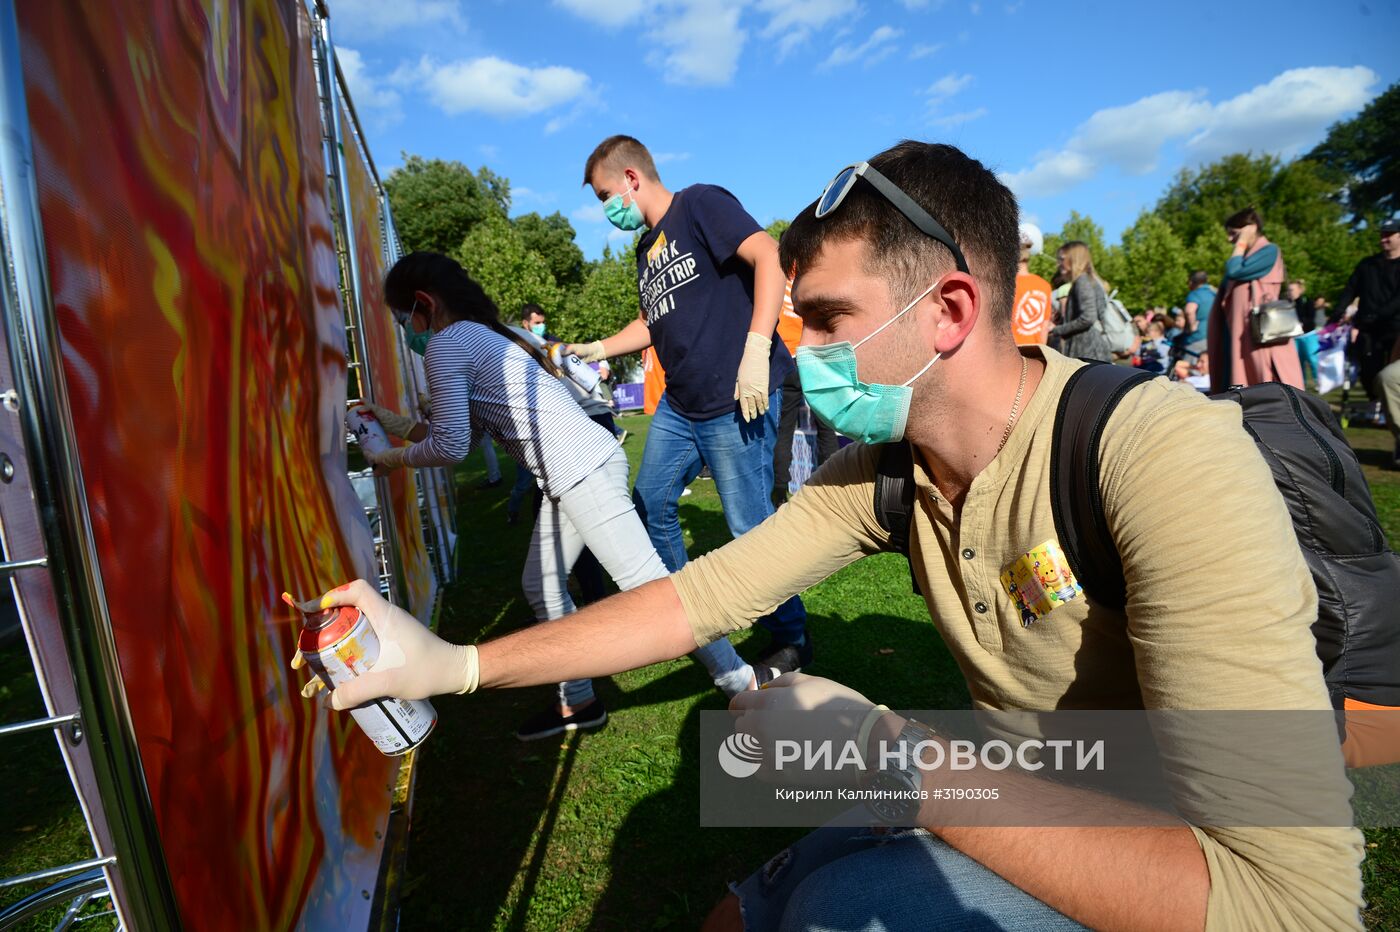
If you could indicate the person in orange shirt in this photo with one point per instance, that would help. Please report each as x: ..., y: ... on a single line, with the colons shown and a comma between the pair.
x: 1031, y: 312
x: 653, y: 380
x: 790, y: 332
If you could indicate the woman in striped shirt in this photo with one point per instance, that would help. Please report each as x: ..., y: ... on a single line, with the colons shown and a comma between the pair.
x: 486, y: 380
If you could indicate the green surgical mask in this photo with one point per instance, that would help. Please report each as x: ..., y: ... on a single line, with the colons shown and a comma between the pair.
x: 418, y: 342
x: 623, y: 216
x: 865, y: 411
x: 537, y: 329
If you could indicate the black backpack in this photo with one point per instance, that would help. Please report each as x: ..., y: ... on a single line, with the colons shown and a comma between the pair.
x: 1356, y: 574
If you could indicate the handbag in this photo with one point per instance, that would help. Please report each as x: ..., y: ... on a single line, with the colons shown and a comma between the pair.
x: 1273, y: 322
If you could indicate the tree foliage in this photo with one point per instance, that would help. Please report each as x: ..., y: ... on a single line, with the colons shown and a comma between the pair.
x: 552, y: 238
x: 437, y: 203
x: 1359, y: 155
x: 495, y: 254
x: 1154, y: 266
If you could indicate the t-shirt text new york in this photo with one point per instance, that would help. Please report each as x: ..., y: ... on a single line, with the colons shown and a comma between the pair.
x: 697, y: 299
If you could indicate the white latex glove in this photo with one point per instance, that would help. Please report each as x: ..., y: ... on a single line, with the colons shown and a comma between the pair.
x: 391, y: 458
x: 802, y: 708
x: 395, y: 424
x: 425, y: 405
x: 589, y: 352
x: 413, y: 663
x: 751, y: 388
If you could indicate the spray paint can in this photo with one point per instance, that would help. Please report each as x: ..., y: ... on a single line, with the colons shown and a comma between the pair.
x: 367, y: 430
x: 339, y: 644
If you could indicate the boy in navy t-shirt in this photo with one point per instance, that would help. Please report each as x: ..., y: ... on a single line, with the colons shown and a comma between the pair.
x: 711, y: 290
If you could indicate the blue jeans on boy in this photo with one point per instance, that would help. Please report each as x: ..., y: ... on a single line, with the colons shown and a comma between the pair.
x: 740, y: 456
x: 896, y: 880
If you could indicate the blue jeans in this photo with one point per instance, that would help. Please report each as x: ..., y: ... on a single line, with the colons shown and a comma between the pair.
x: 740, y: 457
x: 904, y: 880
x: 524, y: 484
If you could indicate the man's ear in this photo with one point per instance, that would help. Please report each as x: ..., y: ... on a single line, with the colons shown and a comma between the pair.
x: 633, y: 177
x: 960, y: 299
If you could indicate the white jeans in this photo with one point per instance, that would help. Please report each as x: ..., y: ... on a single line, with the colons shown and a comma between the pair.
x: 598, y: 514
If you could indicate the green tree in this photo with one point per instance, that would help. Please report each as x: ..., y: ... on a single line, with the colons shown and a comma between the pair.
x: 437, y: 203
x: 777, y: 228
x: 495, y: 254
x: 552, y: 238
x: 1359, y: 155
x: 1153, y: 264
x: 1208, y: 253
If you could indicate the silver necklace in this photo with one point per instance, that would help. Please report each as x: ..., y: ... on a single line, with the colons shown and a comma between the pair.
x: 1015, y: 408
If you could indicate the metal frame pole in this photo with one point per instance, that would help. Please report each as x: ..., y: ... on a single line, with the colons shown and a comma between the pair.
x: 330, y: 115
x: 46, y: 425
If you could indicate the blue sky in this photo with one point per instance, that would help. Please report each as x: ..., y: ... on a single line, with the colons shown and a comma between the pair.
x: 1090, y: 106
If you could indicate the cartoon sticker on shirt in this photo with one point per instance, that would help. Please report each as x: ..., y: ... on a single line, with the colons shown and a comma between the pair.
x: 1040, y: 581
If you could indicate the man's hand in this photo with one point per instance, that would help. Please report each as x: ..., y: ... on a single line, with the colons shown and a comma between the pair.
x: 394, y: 423
x: 751, y: 388
x: 413, y: 662
x: 588, y: 352
x: 807, y: 709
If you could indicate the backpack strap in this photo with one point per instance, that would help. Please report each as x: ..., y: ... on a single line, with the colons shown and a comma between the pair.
x: 894, y: 498
x: 1076, y: 500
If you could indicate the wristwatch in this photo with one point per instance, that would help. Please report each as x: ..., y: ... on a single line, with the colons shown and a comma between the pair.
x: 897, y: 791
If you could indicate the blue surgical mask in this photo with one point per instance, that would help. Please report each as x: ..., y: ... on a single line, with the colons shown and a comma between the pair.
x: 623, y: 216
x: 537, y: 329
x: 867, y: 412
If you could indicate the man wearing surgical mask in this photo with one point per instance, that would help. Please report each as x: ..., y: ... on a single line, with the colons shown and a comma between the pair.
x: 710, y: 292
x: 905, y: 276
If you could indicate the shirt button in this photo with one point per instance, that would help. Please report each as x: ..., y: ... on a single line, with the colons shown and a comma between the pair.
x: 969, y: 553
x: 980, y: 608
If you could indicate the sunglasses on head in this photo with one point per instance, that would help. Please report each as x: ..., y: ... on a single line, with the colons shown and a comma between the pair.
x: 845, y: 180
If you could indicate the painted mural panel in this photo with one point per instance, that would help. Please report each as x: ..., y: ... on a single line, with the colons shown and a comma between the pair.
x: 392, y: 387
x: 183, y: 196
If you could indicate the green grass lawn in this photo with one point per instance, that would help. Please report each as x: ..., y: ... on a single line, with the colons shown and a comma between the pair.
x: 601, y: 831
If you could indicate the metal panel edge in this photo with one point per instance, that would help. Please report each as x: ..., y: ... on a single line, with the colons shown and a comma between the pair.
x: 46, y: 425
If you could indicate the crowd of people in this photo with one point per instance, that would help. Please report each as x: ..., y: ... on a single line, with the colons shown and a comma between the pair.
x: 904, y: 298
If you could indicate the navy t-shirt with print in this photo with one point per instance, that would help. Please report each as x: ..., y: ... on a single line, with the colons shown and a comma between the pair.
x: 697, y: 300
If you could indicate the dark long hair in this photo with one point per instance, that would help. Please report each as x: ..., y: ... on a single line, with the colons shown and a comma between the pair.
x: 462, y: 298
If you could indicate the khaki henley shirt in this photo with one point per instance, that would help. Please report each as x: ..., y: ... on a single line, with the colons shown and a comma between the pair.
x: 1218, y: 615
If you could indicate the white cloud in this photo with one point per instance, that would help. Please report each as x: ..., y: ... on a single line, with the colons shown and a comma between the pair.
x: 369, y: 96
x: 519, y: 196
x: 1280, y: 117
x: 494, y: 86
x: 588, y: 213
x: 958, y: 119
x: 925, y: 49
x: 796, y: 20
x: 699, y: 44
x: 975, y: 7
x: 616, y: 236
x: 489, y: 150
x: 607, y: 13
x: 661, y: 158
x: 1289, y: 112
x: 947, y: 86
x: 370, y: 19
x: 872, y: 50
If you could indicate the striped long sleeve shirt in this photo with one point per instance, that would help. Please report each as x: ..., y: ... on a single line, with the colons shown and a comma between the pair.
x: 481, y: 382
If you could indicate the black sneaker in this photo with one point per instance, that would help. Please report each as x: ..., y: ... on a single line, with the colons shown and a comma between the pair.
x: 763, y: 675
x: 705, y: 473
x: 550, y: 722
x: 785, y: 658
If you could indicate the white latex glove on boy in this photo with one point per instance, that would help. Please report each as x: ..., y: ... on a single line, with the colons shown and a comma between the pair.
x: 751, y: 388
x: 806, y: 709
x: 588, y: 352
x: 413, y: 663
